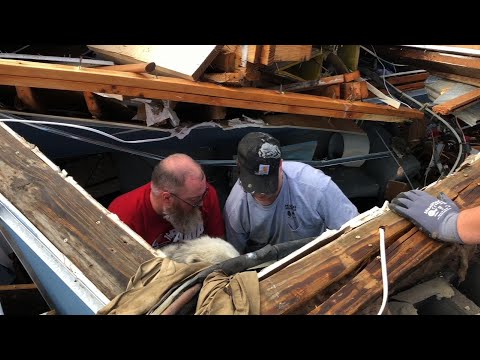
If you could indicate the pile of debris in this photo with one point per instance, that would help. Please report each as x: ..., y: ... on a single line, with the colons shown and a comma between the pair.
x: 159, y: 83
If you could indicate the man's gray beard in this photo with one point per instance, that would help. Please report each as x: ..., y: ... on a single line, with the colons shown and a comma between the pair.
x: 183, y: 221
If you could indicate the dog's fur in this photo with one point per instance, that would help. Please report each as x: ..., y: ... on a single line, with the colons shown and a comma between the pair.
x: 204, y: 249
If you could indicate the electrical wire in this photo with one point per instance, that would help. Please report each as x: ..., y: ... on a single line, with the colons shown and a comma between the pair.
x: 384, y: 81
x: 443, y: 121
x: 383, y: 263
x: 431, y: 159
x: 394, y: 158
x: 378, y: 57
x: 9, y: 119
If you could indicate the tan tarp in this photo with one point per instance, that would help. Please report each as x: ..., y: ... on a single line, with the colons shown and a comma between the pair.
x: 220, y: 294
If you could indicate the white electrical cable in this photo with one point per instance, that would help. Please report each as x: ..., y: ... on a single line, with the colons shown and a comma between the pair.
x: 378, y: 57
x: 87, y: 129
x: 443, y: 121
x: 383, y: 262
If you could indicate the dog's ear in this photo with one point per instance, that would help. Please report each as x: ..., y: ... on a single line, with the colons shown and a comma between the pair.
x: 190, y: 259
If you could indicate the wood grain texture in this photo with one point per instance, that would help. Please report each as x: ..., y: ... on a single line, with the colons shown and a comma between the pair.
x: 253, y: 104
x: 403, y: 256
x: 11, y: 70
x: 97, y: 245
x: 432, y: 60
x: 448, y: 106
x: 291, y: 288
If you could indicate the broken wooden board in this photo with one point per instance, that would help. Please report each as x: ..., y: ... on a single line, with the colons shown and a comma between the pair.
x: 449, y: 106
x: 367, y: 285
x: 292, y: 289
x: 105, y: 250
x: 270, y: 54
x: 433, y: 61
x: 183, y: 61
x: 18, y: 73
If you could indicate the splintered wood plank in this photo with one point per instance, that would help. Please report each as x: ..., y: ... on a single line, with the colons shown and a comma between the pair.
x: 28, y: 98
x: 184, y: 61
x: 292, y: 287
x: 292, y: 53
x: 276, y: 53
x: 448, y: 106
x: 312, y: 84
x: 346, y: 113
x: 407, y: 79
x: 367, y: 285
x: 225, y: 77
x: 225, y: 61
x: 19, y: 73
x: 97, y: 245
x: 454, y: 77
x: 432, y: 60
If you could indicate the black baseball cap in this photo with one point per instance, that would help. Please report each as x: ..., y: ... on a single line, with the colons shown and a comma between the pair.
x: 259, y: 157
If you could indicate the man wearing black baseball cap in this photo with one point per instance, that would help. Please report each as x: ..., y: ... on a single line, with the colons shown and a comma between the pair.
x: 275, y: 201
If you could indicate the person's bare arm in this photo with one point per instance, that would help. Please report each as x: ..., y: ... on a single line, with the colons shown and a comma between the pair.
x: 468, y: 225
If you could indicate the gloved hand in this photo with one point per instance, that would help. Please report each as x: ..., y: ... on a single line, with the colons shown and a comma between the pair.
x: 436, y: 217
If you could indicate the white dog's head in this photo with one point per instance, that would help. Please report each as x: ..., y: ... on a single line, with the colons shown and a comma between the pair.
x: 204, y: 249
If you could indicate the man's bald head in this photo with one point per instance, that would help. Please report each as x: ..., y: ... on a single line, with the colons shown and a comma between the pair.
x: 171, y: 173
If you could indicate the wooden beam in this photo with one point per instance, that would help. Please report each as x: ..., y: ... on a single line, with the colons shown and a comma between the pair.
x: 68, y: 78
x: 313, y: 122
x: 290, y: 53
x: 70, y: 219
x: 448, y: 107
x: 311, y: 84
x: 433, y: 61
x: 92, y: 104
x: 225, y: 62
x: 367, y: 285
x: 135, y: 68
x: 217, y: 112
x: 28, y: 99
x: 220, y: 78
x: 406, y: 79
x: 290, y: 289
x: 200, y: 99
x: 463, y: 79
x: 354, y: 90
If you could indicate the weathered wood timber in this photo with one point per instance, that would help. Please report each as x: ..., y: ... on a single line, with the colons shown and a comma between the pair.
x: 73, y: 221
x: 432, y: 60
x: 290, y: 289
x: 18, y: 73
x: 367, y: 285
x: 447, y: 107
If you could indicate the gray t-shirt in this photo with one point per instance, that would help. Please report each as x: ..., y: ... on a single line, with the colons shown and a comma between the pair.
x: 308, y: 203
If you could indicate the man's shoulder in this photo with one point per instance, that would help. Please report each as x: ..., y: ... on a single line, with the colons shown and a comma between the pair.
x: 129, y: 199
x: 235, y: 198
x: 305, y: 174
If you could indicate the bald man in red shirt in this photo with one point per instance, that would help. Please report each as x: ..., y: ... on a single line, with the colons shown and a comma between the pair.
x: 178, y: 204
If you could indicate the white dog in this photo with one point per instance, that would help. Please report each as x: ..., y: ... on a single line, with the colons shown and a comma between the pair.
x: 207, y: 249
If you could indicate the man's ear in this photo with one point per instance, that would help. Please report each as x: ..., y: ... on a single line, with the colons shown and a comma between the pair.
x: 165, y: 196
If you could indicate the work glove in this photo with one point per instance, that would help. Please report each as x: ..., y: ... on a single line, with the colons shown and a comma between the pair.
x: 436, y: 217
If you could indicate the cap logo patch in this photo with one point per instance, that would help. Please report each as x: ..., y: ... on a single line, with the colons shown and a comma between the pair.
x: 263, y: 169
x: 268, y: 150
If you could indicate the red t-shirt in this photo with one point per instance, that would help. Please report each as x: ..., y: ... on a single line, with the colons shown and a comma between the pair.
x: 135, y: 209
